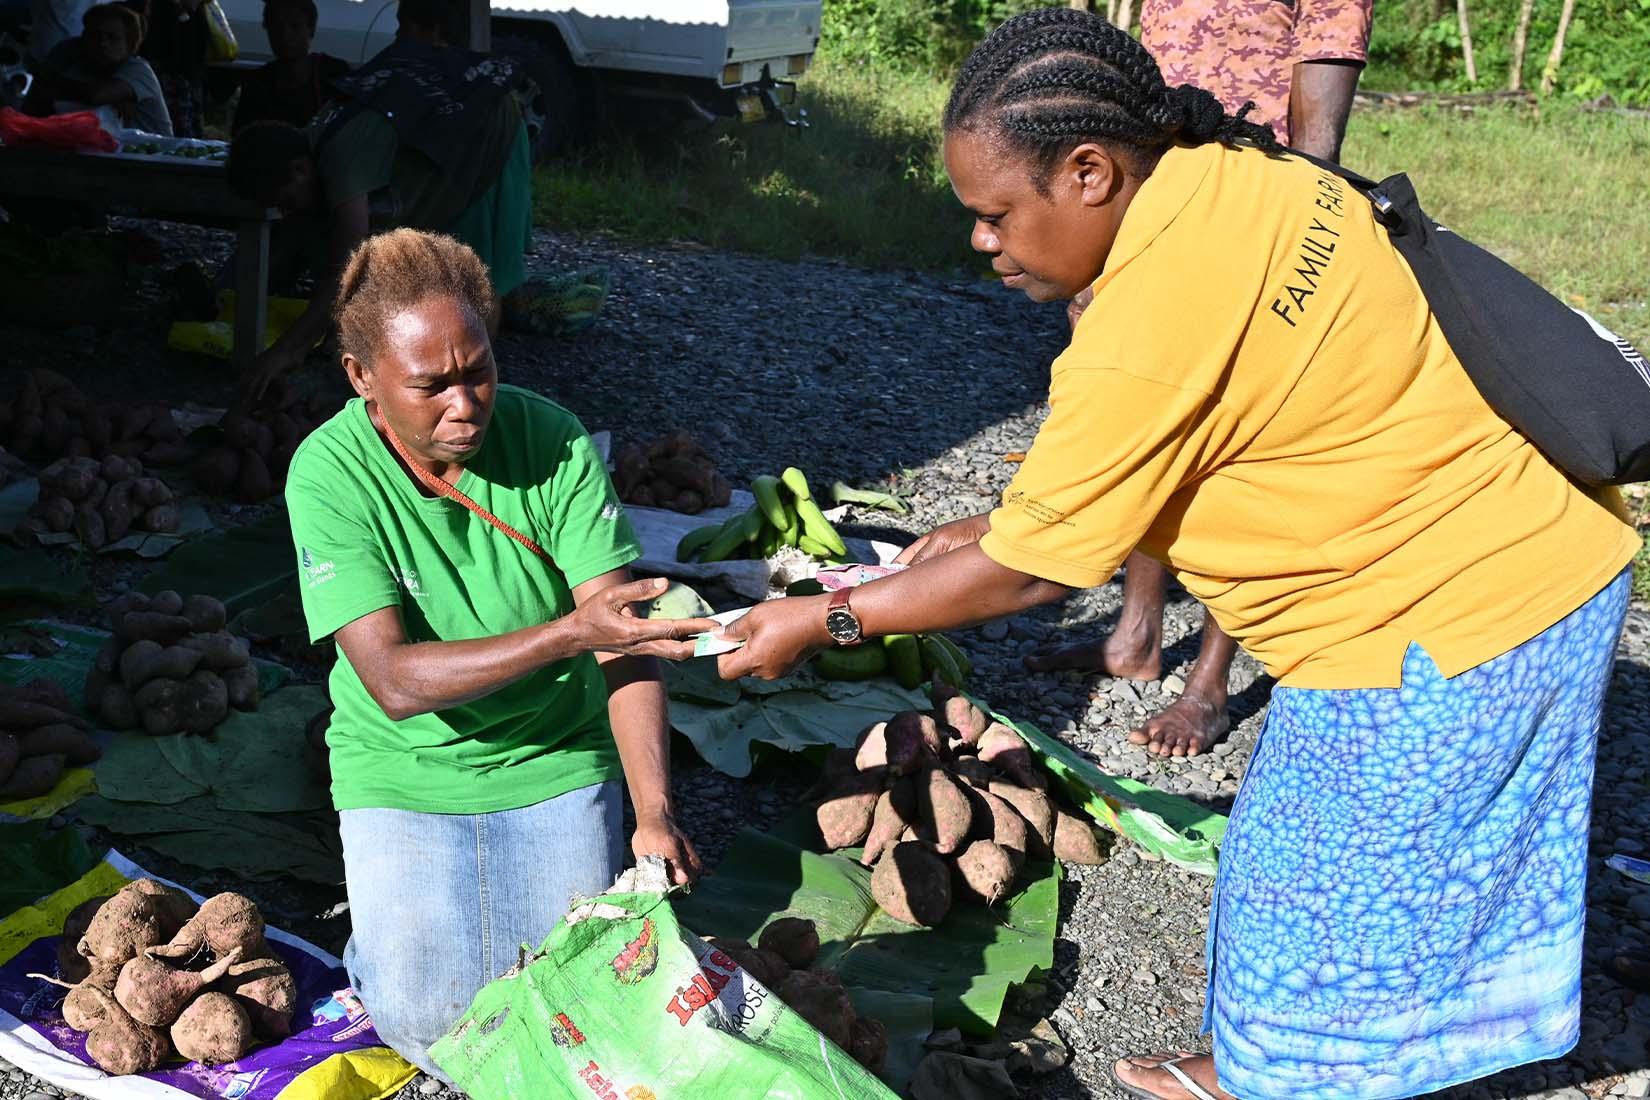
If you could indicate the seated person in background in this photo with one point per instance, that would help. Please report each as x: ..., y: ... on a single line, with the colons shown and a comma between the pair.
x: 291, y: 88
x: 100, y: 71
x: 425, y: 136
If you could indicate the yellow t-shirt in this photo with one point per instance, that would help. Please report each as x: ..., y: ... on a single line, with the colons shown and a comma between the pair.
x: 1260, y: 398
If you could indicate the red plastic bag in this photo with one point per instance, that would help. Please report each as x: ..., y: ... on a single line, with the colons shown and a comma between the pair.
x: 77, y: 130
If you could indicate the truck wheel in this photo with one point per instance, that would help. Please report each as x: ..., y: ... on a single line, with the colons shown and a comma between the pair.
x: 556, y: 100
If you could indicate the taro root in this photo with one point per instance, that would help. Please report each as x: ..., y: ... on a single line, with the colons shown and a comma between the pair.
x: 765, y: 966
x: 1038, y: 812
x: 844, y: 815
x: 265, y: 989
x: 943, y: 809
x: 868, y: 1043
x: 213, y: 1029
x: 794, y: 939
x: 912, y: 884
x: 1075, y: 840
x: 985, y: 871
x: 821, y: 1000
x: 225, y: 923
x: 154, y: 993
x: 1006, y: 751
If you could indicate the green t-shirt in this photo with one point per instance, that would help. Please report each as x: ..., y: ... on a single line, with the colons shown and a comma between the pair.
x: 368, y: 538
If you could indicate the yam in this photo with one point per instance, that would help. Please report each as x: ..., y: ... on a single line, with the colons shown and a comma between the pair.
x: 995, y: 820
x: 868, y: 1043
x: 254, y: 482
x: 1007, y: 751
x: 62, y: 739
x: 1075, y: 840
x: 71, y: 478
x: 943, y: 809
x: 886, y: 825
x: 89, y: 527
x: 205, y: 703
x: 145, y: 660
x: 218, y: 469
x: 765, y: 966
x: 205, y: 613
x: 265, y: 988
x: 219, y: 650
x: 132, y: 600
x: 123, y: 926
x: 167, y: 602
x: 895, y: 745
x: 162, y: 519
x: 213, y: 1029
x: 159, y: 705
x: 1037, y: 811
x: 120, y: 1044
x: 10, y: 753
x: 912, y: 885
x: 844, y: 814
x: 154, y: 626
x: 226, y: 923
x: 245, y: 692
x: 820, y: 1001
x: 794, y: 939
x: 155, y: 993
x: 116, y: 511
x: 116, y: 469
x: 116, y: 708
x: 57, y: 513
x: 985, y: 871
x: 150, y: 491
x: 33, y: 777
x: 968, y: 720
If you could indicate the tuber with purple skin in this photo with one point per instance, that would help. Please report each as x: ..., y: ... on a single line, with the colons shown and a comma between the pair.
x: 154, y: 993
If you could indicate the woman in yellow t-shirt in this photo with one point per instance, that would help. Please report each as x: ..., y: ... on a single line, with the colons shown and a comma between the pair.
x: 1259, y: 397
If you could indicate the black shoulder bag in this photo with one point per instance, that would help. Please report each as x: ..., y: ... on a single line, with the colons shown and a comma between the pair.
x: 1573, y: 388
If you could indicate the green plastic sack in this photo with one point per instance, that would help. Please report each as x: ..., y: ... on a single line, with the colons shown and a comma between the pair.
x: 620, y: 1003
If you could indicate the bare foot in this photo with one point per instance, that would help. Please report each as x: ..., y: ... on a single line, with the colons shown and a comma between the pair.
x: 1126, y: 654
x: 1185, y: 727
x: 1143, y: 1075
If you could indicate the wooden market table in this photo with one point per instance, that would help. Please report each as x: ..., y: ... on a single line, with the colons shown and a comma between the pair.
x: 172, y: 188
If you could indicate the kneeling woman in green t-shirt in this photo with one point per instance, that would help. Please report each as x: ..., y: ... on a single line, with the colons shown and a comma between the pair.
x: 462, y: 543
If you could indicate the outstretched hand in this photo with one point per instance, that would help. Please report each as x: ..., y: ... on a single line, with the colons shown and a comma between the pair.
x: 946, y: 538
x: 778, y: 635
x: 608, y: 622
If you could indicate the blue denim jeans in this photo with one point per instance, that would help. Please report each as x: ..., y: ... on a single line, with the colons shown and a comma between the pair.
x: 440, y: 904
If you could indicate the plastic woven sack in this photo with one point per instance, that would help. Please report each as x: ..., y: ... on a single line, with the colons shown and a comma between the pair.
x: 620, y: 1003
x: 76, y: 130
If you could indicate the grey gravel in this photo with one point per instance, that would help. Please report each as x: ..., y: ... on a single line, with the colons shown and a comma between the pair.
x: 921, y: 385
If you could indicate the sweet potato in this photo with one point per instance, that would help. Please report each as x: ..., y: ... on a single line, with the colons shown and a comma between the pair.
x: 765, y: 966
x: 10, y: 754
x: 1006, y: 751
x: 896, y: 746
x: 132, y: 600
x: 116, y: 469
x: 968, y: 720
x: 973, y: 771
x: 33, y: 777
x: 844, y: 814
x: 116, y: 708
x: 1035, y: 807
x: 997, y: 821
x: 242, y: 685
x: 219, y: 650
x: 167, y: 602
x: 225, y: 922
x: 886, y: 825
x: 60, y: 738
x: 122, y: 927
x: 146, y: 660
x: 150, y: 491
x: 943, y: 809
x: 50, y: 692
x: 120, y: 1044
x: 18, y: 712
x: 89, y: 527
x: 155, y: 993
x: 205, y: 613
x: 985, y: 871
x: 265, y: 989
x: 57, y: 513
x: 70, y: 478
x: 153, y: 626
x: 820, y: 1001
x: 116, y: 511
x: 213, y: 1029
x: 205, y: 702
x: 923, y: 726
x: 868, y: 1043
x: 254, y: 483
x: 912, y: 884
x: 159, y: 705
x: 794, y: 939
x: 1075, y: 840
x: 218, y: 469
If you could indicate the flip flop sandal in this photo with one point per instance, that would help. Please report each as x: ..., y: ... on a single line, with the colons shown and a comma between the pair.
x: 1173, y: 1066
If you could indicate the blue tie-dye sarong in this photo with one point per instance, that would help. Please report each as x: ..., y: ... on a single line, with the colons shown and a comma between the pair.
x: 1402, y: 888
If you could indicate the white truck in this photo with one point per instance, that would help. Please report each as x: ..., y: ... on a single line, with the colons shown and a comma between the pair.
x: 703, y: 58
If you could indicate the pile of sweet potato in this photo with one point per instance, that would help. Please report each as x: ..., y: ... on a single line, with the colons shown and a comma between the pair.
x: 101, y: 501
x: 946, y: 805
x: 671, y: 472
x: 782, y: 960
x: 149, y: 972
x: 50, y: 418
x: 170, y: 667
x: 250, y: 462
x: 40, y: 736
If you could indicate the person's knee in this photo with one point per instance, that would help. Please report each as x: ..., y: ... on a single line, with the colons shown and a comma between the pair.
x: 413, y: 997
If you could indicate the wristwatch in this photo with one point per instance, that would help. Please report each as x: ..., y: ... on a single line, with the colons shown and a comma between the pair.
x: 840, y: 621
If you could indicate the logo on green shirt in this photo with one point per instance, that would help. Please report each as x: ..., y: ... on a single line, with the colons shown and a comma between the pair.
x: 318, y: 572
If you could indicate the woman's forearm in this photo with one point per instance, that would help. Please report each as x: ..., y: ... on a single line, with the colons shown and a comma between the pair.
x: 637, y: 708
x: 957, y: 589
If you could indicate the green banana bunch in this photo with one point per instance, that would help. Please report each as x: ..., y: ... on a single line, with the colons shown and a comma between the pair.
x: 910, y: 658
x: 784, y: 515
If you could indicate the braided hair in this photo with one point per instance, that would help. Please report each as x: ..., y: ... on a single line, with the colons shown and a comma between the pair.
x: 1051, y: 79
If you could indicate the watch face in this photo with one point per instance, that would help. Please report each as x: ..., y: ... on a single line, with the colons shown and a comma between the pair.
x: 841, y: 625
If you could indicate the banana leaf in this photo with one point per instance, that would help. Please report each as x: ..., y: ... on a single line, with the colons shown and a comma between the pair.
x: 34, y: 577
x: 197, y: 831
x: 965, y: 965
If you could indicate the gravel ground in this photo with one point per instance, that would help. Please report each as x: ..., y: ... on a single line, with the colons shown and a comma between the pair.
x: 926, y: 383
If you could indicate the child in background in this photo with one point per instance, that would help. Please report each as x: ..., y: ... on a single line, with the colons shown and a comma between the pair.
x: 99, y: 71
x: 291, y: 88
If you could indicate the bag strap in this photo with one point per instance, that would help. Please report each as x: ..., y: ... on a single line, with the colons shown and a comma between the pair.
x: 443, y: 489
x: 1386, y: 210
